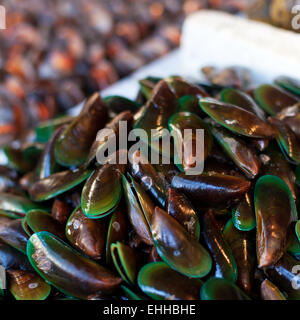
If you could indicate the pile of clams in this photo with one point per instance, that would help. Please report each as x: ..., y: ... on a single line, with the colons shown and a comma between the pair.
x: 72, y: 228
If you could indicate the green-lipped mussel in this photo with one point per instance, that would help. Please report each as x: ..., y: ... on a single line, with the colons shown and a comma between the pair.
x: 74, y: 224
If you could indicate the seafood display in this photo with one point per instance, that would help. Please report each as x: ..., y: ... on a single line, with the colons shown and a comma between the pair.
x: 78, y: 225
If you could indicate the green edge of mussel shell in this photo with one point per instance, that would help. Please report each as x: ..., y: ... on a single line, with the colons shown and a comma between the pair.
x: 122, y: 269
x: 207, y: 290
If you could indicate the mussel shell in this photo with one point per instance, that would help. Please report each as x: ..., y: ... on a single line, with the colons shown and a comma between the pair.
x: 275, y: 164
x: 147, y: 85
x: 159, y: 108
x: 11, y: 258
x: 181, y: 209
x: 102, y: 192
x: 126, y: 260
x: 73, y: 144
x: 178, y: 123
x: 190, y: 104
x: 87, y: 235
x: 293, y: 246
x: 17, y: 160
x: 129, y: 294
x: 221, y: 289
x: 224, y: 262
x: 242, y: 100
x: 57, y: 184
x: 12, y: 233
x: 39, y: 220
x: 150, y: 180
x: 288, y: 83
x: 45, y: 129
x: 297, y: 229
x: 243, y: 215
x: 269, y: 291
x: 25, y: 285
x: 117, y: 231
x: 181, y: 87
x: 238, y: 151
x: 291, y: 117
x: 287, y: 141
x: 139, y: 207
x: 114, y: 125
x: 207, y: 191
x: 47, y: 164
x: 275, y: 211
x: 66, y: 269
x: 152, y: 281
x: 236, y: 119
x: 273, y: 99
x: 60, y: 211
x: 242, y: 245
x: 177, y: 248
x: 117, y: 104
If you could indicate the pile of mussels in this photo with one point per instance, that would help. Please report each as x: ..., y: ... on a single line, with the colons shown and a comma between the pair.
x: 71, y: 228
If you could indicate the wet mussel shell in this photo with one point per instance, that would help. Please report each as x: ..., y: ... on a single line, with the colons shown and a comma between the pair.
x: 25, y: 285
x: 181, y: 209
x: 242, y: 100
x: 275, y: 210
x: 127, y: 261
x: 236, y: 119
x: 102, y: 192
x: 221, y: 289
x: 273, y: 99
x: 288, y: 83
x: 152, y: 281
x: 73, y: 144
x: 13, y: 234
x: 38, y: 220
x: 242, y: 245
x: 139, y: 207
x: 177, y: 248
x: 211, y: 191
x: 58, y: 183
x: 178, y: 124
x: 224, y: 261
x: 87, y: 235
x: 67, y: 270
